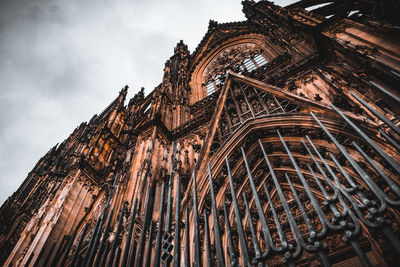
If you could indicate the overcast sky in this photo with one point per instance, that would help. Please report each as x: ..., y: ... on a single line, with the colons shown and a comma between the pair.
x: 63, y: 61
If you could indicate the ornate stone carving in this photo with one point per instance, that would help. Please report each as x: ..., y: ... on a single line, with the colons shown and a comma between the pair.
x: 229, y: 58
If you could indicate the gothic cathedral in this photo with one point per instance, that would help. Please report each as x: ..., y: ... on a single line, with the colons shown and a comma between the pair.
x: 276, y: 142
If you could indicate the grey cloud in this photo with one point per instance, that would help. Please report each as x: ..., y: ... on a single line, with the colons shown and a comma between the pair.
x: 63, y: 61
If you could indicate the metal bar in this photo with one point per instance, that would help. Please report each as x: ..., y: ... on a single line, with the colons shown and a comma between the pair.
x: 354, y: 187
x: 361, y: 255
x: 376, y: 113
x: 256, y: 244
x: 91, y: 241
x: 281, y: 234
x: 169, y: 197
x: 326, y: 195
x: 55, y: 259
x: 232, y: 257
x: 197, y: 255
x: 177, y: 236
x: 142, y: 238
x: 323, y: 257
x: 167, y: 238
x: 390, y: 140
x: 68, y: 248
x: 217, y: 235
x: 312, y: 233
x: 129, y: 236
x: 132, y: 256
x: 114, y: 244
x: 104, y: 245
x: 346, y: 191
x: 207, y: 235
x: 92, y: 253
x: 115, y: 181
x: 157, y: 253
x: 373, y: 212
x: 260, y: 211
x: 242, y: 238
x: 382, y: 153
x: 314, y: 201
x: 371, y: 220
x: 76, y: 253
x: 365, y: 202
x: 395, y: 73
x: 118, y: 257
x: 317, y: 245
x: 321, y: 188
x: 293, y: 225
x: 389, y: 181
x: 307, y: 220
x: 103, y: 256
x: 383, y: 90
x: 345, y: 174
x: 49, y: 254
x: 187, y: 239
x: 392, y: 237
x: 149, y: 245
x: 374, y: 188
x: 80, y: 261
x: 104, y: 240
x: 328, y: 200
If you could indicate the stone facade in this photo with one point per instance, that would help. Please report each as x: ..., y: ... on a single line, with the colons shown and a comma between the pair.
x: 275, y: 142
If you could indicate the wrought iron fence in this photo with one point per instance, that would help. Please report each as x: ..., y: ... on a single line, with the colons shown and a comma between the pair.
x: 334, y: 201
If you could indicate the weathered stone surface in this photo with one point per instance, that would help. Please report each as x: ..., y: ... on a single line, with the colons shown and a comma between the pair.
x: 244, y: 85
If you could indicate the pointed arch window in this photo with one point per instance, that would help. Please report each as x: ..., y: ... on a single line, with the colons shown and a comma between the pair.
x: 214, y: 84
x: 248, y: 64
x: 251, y: 63
x: 260, y: 60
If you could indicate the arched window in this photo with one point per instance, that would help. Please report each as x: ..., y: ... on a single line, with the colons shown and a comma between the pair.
x: 251, y: 63
x: 248, y: 64
x: 214, y: 84
x: 260, y: 60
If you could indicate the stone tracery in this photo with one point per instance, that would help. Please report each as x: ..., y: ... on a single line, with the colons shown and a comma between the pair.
x: 295, y: 161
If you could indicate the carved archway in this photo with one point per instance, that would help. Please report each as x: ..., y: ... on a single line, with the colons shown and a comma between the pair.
x: 230, y: 54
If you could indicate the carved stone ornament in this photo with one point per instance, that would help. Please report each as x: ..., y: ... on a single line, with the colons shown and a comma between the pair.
x: 229, y: 57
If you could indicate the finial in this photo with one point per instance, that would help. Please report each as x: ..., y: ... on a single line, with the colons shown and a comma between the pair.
x: 212, y: 24
x: 181, y: 48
